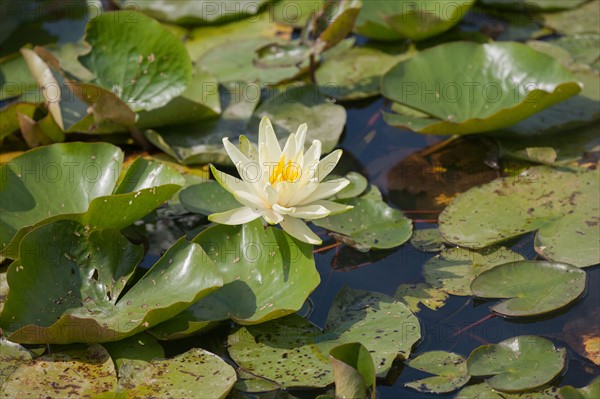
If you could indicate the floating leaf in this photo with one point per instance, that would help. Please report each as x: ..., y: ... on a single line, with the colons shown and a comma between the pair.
x: 267, y: 274
x: 353, y: 371
x: 450, y: 372
x: 12, y: 355
x: 591, y: 391
x: 517, y: 364
x: 454, y: 269
x: 140, y: 347
x: 78, y: 181
x: 296, y: 13
x: 428, y: 240
x: 474, y: 93
x: 195, y: 374
x: 414, y: 294
x: 356, y: 73
x: 532, y: 287
x: 251, y: 384
x: 206, y: 198
x: 297, y: 104
x: 583, y: 19
x: 293, y: 352
x: 534, y: 5
x: 393, y: 20
x: 66, y: 285
x: 74, y: 373
x: 484, y: 391
x: 358, y: 184
x: 145, y: 74
x: 583, y: 47
x: 560, y: 205
x: 15, y: 78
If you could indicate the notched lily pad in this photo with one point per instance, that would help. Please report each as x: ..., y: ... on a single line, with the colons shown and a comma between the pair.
x: 450, y: 372
x: 206, y: 198
x: 560, y: 204
x: 517, y: 364
x: 484, y: 391
x: 591, y: 391
x: 532, y: 287
x: 353, y: 371
x: 12, y: 355
x: 428, y: 240
x: 294, y: 353
x: 414, y: 294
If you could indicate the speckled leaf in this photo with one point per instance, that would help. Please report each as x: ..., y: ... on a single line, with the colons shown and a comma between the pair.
x: 591, y: 391
x: 560, y: 204
x: 140, y: 347
x: 450, y: 372
x: 206, y: 198
x: 12, y: 355
x: 358, y: 184
x: 484, y: 391
x: 517, y: 364
x: 78, y: 373
x: 250, y: 383
x: 584, y: 19
x: 203, y: 142
x: 428, y: 240
x: 195, y: 374
x: 192, y: 12
x: 532, y: 287
x: 82, y: 182
x: 473, y: 93
x: 414, y: 294
x: 65, y: 287
x: 295, y: 105
x: 454, y: 269
x: 393, y: 20
x: 353, y: 371
x: 145, y: 74
x: 355, y: 74
x: 293, y: 352
x: 370, y: 224
x: 266, y: 273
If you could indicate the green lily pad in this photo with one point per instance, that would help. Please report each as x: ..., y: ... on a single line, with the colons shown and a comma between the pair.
x: 584, y: 19
x: 532, y: 287
x: 356, y: 73
x: 266, y: 273
x: 454, y: 269
x: 193, y: 12
x: 560, y: 205
x: 370, y: 224
x: 450, y: 372
x: 394, y: 20
x: 414, y: 294
x: 195, y: 374
x: 140, y: 347
x: 203, y: 142
x: 534, y: 5
x: 591, y: 391
x: 428, y: 240
x: 249, y: 383
x: 12, y: 355
x: 15, y: 79
x: 78, y: 181
x: 583, y: 47
x: 74, y: 373
x: 484, y: 391
x: 145, y: 74
x: 68, y: 290
x: 353, y: 371
x: 473, y: 93
x: 358, y: 184
x: 517, y: 364
x: 297, y: 104
x: 293, y: 352
x: 296, y: 13
x: 10, y: 115
x: 206, y: 198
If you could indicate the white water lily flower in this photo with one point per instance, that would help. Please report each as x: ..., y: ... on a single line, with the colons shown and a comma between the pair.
x: 281, y: 186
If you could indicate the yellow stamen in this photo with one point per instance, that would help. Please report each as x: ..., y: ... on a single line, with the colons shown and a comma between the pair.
x: 283, y: 171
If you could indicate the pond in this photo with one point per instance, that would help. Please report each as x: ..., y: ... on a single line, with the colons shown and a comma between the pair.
x: 452, y: 251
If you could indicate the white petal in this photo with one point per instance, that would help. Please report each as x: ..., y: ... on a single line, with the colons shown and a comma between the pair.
x: 250, y: 199
x: 327, y: 164
x: 299, y: 230
x: 268, y: 146
x: 325, y: 190
x: 289, y: 150
x: 271, y: 216
x: 237, y: 186
x: 333, y: 207
x: 283, y: 210
x: 311, y: 211
x: 248, y: 148
x: 271, y: 194
x: 239, y: 160
x: 235, y: 216
x: 310, y: 164
x: 301, y: 137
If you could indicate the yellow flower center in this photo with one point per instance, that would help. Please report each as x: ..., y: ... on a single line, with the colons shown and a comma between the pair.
x: 285, y: 171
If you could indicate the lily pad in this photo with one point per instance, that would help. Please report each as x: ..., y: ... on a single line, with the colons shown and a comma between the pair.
x: 66, y: 285
x: 450, y: 372
x: 206, y: 198
x: 296, y: 13
x: 356, y: 73
x: 266, y: 273
x: 532, y: 287
x: 414, y: 294
x: 140, y: 347
x: 473, y: 93
x: 293, y: 352
x: 336, y: 21
x: 203, y: 142
x: 560, y: 205
x: 78, y: 181
x: 394, y: 20
x: 195, y: 374
x: 534, y: 5
x: 517, y: 364
x: 584, y: 19
x: 145, y: 74
x: 358, y: 184
x: 74, y: 373
x: 12, y: 355
x: 454, y: 269
x: 484, y: 391
x: 583, y: 47
x: 353, y: 371
x: 591, y: 391
x: 15, y: 79
x: 297, y: 104
x: 428, y: 240
x: 193, y: 12
x: 370, y: 224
